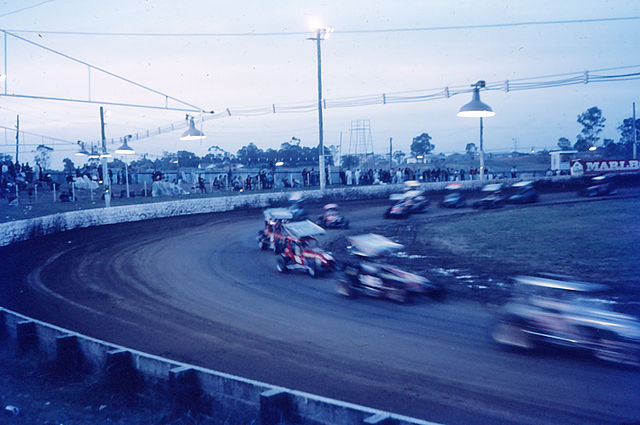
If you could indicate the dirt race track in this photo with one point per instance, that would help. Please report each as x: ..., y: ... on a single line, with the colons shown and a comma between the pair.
x: 197, y: 289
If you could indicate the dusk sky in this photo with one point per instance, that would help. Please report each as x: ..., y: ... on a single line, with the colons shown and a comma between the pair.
x: 223, y: 70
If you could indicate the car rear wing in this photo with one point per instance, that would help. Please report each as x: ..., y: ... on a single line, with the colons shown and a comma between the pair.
x: 303, y: 229
x: 372, y: 245
x: 272, y: 214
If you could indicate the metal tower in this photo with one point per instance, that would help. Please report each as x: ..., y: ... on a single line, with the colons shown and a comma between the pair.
x: 361, y: 142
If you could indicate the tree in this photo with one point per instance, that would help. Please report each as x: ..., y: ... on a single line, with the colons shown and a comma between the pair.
x: 349, y: 161
x: 471, y: 149
x: 43, y: 156
x: 592, y: 124
x: 422, y: 145
x: 69, y: 168
x: 564, y: 143
x: 626, y: 134
x: 399, y: 156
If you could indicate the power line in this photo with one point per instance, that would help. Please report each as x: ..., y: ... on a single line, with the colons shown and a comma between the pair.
x: 192, y: 108
x: 25, y: 8
x: 363, y: 31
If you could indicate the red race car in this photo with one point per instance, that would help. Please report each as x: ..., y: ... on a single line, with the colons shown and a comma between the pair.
x: 301, y: 250
x: 331, y: 217
x: 273, y: 235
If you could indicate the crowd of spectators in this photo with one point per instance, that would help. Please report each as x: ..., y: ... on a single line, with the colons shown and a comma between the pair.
x: 16, y: 177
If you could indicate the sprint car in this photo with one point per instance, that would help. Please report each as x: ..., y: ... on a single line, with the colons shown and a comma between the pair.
x: 600, y: 186
x: 525, y: 193
x: 412, y: 200
x: 273, y: 235
x: 453, y: 197
x: 301, y: 251
x: 370, y: 277
x: 331, y: 217
x: 560, y: 311
x: 492, y: 196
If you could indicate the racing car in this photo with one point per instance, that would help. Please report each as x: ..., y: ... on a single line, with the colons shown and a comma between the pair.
x: 412, y: 200
x: 600, y: 186
x: 273, y: 234
x: 493, y: 196
x: 367, y: 276
x: 301, y: 251
x: 296, y: 207
x: 525, y: 193
x: 331, y: 217
x: 560, y: 311
x: 453, y: 198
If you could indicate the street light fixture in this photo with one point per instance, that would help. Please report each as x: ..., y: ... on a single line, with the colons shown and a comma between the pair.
x: 82, y: 151
x: 125, y: 149
x: 192, y: 133
x: 320, y: 33
x: 477, y: 109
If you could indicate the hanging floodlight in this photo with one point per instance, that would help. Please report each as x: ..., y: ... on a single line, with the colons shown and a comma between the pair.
x: 94, y: 154
x: 476, y: 108
x: 192, y: 132
x: 125, y: 149
x: 82, y: 151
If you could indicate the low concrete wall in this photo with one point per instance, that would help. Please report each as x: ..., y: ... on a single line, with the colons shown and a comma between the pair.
x: 22, y: 230
x: 236, y: 399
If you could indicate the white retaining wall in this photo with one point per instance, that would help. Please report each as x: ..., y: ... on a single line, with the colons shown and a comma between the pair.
x: 237, y: 399
x: 16, y: 231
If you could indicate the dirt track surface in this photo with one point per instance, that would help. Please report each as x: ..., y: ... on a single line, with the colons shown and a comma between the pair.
x: 197, y: 289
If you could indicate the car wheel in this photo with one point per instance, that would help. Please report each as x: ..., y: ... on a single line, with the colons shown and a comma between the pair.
x: 281, y: 265
x: 345, y: 289
x: 511, y: 335
x: 346, y: 224
x: 262, y: 245
x: 611, y: 349
x: 398, y: 295
x: 312, y: 270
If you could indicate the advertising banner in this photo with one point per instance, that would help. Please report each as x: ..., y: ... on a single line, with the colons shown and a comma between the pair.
x: 580, y: 167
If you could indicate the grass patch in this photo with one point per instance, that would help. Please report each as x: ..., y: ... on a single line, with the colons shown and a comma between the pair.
x: 597, y: 241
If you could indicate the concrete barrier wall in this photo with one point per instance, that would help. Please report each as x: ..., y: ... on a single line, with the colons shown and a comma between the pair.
x: 236, y: 399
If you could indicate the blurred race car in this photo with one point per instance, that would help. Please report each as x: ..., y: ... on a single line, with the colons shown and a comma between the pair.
x: 300, y: 250
x: 525, y: 193
x: 368, y: 276
x: 559, y: 311
x: 274, y: 234
x: 493, y: 197
x: 412, y: 200
x: 331, y: 217
x: 296, y: 207
x: 453, y: 197
x: 600, y: 186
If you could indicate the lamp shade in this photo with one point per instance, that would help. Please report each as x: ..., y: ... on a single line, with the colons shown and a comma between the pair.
x: 476, y: 108
x: 82, y: 152
x: 125, y: 149
x: 192, y: 132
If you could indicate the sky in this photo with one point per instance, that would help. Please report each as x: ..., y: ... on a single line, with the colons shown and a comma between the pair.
x: 257, y: 71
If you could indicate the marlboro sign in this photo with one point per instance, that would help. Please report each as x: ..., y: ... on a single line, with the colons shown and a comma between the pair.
x: 581, y: 167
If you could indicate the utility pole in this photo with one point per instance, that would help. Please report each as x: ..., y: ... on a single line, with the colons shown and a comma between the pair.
x: 390, y: 154
x: 634, y: 131
x: 320, y: 119
x: 17, y: 135
x: 105, y: 169
x: 320, y: 34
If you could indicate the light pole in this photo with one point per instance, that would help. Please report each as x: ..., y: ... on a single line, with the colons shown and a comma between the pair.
x: 477, y: 109
x: 125, y: 149
x: 320, y: 34
x: 105, y: 169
